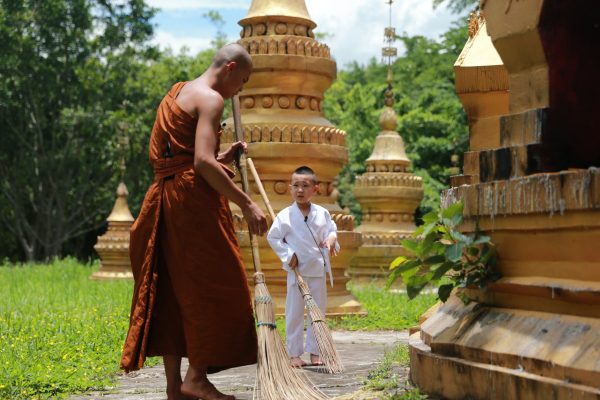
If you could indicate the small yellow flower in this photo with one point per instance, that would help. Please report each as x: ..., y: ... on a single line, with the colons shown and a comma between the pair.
x: 53, y: 385
x: 1, y: 386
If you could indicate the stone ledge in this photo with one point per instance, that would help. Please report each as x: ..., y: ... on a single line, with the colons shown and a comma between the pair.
x: 543, y: 193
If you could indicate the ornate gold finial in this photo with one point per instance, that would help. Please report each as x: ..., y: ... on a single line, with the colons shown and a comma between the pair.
x: 475, y: 22
x: 121, y: 211
x: 455, y: 159
x: 387, y: 119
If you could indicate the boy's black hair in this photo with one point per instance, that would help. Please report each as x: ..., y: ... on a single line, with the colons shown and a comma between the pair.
x: 304, y: 170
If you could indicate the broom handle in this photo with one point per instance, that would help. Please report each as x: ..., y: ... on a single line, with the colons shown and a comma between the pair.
x: 263, y: 194
x: 241, y: 161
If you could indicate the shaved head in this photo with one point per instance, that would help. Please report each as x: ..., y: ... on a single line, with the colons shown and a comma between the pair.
x: 232, y: 53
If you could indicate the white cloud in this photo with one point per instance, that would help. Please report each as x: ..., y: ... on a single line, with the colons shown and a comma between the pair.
x: 197, y: 4
x: 166, y: 39
x: 357, y: 25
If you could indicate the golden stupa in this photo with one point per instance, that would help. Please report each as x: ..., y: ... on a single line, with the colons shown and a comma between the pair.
x: 532, y: 184
x: 388, y: 194
x: 113, y: 246
x: 285, y: 128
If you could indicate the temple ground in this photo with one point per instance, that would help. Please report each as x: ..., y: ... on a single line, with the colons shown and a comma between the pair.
x: 62, y: 334
x: 361, y: 352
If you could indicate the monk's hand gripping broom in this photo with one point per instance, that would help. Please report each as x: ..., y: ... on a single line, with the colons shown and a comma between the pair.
x: 332, y: 363
x: 276, y: 379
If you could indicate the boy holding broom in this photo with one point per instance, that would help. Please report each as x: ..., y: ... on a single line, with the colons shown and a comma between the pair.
x: 303, y: 235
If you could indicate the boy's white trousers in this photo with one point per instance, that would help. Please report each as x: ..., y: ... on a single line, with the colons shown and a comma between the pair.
x: 294, y: 314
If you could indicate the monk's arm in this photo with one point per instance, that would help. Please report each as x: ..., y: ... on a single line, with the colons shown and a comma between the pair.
x: 206, y: 165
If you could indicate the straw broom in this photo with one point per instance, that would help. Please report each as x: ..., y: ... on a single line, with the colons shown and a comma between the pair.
x: 276, y: 379
x: 327, y: 350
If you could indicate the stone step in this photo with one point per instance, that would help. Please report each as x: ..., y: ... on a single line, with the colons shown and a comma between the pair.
x: 537, y: 345
x: 510, y: 162
x: 524, y: 128
x: 459, y: 180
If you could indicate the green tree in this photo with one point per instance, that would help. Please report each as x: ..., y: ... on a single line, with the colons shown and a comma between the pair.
x: 429, y: 110
x: 61, y: 67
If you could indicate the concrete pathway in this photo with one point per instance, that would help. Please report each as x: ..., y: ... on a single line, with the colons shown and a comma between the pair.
x: 360, y: 352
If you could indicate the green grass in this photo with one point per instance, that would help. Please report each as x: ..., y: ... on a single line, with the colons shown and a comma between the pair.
x: 59, y: 332
x: 386, y: 310
x: 62, y: 334
x: 382, y: 377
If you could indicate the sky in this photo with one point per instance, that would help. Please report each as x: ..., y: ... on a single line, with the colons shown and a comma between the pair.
x: 357, y: 26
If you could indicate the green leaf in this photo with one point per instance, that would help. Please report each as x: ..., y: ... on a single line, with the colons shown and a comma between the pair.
x: 434, y: 260
x: 442, y: 270
x: 465, y: 299
x: 447, y: 222
x: 473, y: 251
x: 453, y: 210
x: 454, y: 252
x: 415, y: 284
x: 430, y: 228
x: 408, y: 266
x: 485, y: 258
x: 482, y: 239
x: 410, y: 245
x: 430, y: 217
x: 418, y: 231
x: 433, y: 248
x: 457, y: 220
x: 456, y: 235
x: 397, y: 262
x: 444, y: 292
x: 425, y: 243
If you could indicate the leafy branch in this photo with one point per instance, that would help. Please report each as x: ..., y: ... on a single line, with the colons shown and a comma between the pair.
x: 442, y: 250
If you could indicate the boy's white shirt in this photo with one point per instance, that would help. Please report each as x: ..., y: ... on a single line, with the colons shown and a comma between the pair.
x: 289, y: 225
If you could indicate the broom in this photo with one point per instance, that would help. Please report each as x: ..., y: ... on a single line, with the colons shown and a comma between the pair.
x: 330, y: 357
x: 276, y: 379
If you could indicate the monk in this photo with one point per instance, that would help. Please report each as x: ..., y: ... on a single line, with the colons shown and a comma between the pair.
x: 191, y: 296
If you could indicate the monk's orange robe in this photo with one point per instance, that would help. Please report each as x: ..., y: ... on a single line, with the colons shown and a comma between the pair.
x: 191, y: 296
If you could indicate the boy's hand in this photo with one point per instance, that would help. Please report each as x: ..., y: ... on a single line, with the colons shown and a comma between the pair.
x: 293, y: 262
x: 329, y: 244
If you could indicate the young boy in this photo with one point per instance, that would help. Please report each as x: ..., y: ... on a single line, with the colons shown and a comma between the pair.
x: 303, y: 235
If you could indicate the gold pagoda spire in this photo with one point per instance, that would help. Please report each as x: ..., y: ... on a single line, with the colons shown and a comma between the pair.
x: 388, y: 193
x: 113, y: 246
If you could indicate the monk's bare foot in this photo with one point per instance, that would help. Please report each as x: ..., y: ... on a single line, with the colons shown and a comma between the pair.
x: 297, y: 362
x: 197, y: 385
x: 315, y: 360
x: 179, y: 396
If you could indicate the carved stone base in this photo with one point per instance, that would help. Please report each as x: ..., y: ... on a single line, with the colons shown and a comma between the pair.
x: 113, y: 249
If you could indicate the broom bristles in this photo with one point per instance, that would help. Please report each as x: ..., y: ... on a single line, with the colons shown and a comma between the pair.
x: 276, y: 379
x: 332, y: 362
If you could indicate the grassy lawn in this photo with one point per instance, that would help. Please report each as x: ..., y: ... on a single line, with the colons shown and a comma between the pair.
x: 59, y: 332
x: 386, y: 310
x: 62, y: 334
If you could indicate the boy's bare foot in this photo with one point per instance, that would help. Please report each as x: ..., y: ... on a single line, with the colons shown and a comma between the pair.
x: 196, y: 385
x: 315, y: 360
x: 297, y: 362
